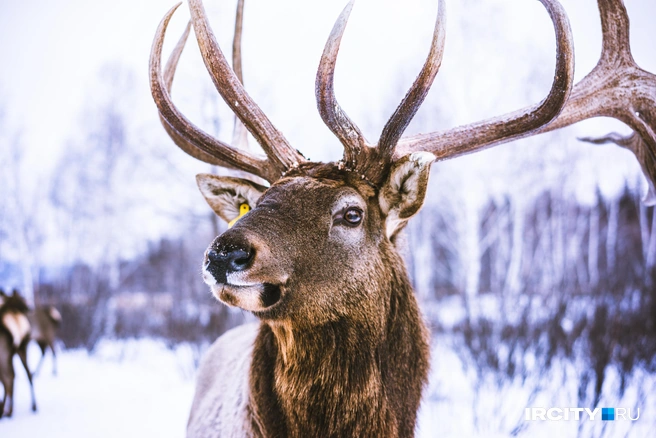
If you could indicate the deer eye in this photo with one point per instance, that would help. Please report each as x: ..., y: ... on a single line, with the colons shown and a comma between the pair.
x: 353, y: 216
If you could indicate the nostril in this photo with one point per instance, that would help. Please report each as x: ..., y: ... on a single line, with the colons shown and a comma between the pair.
x: 240, y: 259
x: 235, y: 259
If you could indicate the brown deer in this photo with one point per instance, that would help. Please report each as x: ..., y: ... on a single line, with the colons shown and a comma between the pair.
x: 45, y: 321
x: 341, y: 349
x: 14, y: 337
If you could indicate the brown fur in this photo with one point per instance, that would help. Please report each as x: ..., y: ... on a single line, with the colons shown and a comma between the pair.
x: 343, y: 378
x: 13, y: 304
x: 344, y: 351
x: 45, y: 322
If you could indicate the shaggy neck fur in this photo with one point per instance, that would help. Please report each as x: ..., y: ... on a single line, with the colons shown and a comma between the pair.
x: 344, y: 378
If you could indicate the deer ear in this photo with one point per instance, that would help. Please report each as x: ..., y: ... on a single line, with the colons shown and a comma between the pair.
x: 226, y: 195
x: 403, y: 194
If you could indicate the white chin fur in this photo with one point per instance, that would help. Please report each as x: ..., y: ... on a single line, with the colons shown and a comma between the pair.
x: 246, y: 298
x: 234, y: 279
x: 237, y: 279
x: 237, y: 292
x: 208, y: 278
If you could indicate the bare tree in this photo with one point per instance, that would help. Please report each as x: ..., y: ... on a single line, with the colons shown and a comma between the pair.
x: 23, y: 208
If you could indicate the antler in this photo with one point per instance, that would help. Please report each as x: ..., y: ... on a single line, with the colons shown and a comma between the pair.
x: 281, y: 156
x: 332, y: 114
x: 616, y: 87
x: 374, y: 162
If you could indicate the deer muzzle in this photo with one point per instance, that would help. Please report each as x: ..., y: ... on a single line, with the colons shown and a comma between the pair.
x: 226, y: 270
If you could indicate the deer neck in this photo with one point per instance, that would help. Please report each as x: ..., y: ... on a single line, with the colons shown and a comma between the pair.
x: 345, y: 377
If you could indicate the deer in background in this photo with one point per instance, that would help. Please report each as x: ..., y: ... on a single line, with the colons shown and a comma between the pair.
x: 45, y: 321
x: 14, y: 337
x: 341, y: 348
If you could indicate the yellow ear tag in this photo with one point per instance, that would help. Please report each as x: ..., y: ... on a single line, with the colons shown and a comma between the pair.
x: 243, y: 209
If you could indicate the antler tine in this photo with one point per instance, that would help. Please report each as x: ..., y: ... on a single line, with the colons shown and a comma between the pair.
x: 236, y: 42
x: 413, y: 99
x: 645, y: 156
x: 616, y: 44
x: 169, y: 74
x: 184, y: 133
x: 628, y: 142
x: 477, y: 136
x: 239, y: 134
x: 281, y: 155
x: 174, y: 57
x: 332, y: 114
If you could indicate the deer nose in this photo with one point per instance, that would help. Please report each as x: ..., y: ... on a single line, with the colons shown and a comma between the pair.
x: 225, y: 258
x: 236, y: 259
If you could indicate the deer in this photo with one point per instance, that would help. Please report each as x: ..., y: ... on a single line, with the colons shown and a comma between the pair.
x: 340, y: 348
x: 45, y: 321
x: 14, y: 337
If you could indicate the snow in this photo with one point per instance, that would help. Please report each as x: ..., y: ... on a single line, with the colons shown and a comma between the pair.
x: 142, y: 388
x: 125, y: 389
x: 458, y: 403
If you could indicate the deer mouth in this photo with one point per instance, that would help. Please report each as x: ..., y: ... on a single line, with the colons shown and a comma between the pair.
x: 254, y: 298
x: 238, y: 290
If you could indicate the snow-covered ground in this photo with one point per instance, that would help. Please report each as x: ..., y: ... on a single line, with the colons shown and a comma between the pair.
x: 143, y: 389
x: 127, y: 389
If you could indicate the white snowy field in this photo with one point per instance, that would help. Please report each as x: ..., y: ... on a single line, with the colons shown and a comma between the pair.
x: 127, y: 389
x: 142, y: 389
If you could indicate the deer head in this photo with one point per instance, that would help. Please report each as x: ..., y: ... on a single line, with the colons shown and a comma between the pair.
x: 15, y: 301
